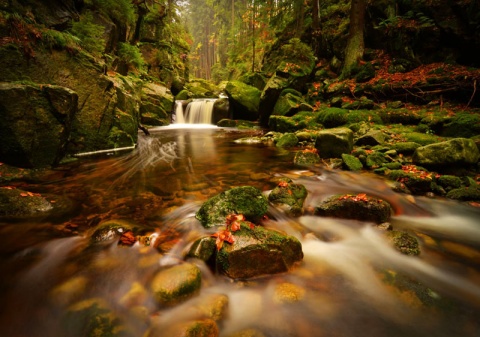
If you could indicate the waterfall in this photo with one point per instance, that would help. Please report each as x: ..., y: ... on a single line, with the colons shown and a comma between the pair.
x: 198, y: 111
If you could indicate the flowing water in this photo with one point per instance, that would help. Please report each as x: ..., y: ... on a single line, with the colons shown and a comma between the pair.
x: 351, y: 282
x: 198, y: 111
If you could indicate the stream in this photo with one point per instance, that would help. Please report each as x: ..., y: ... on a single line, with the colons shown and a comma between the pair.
x: 351, y: 282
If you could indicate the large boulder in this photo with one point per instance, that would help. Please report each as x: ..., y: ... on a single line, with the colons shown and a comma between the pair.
x: 246, y: 200
x: 332, y: 143
x: 35, y: 124
x: 244, y: 100
x: 269, y: 96
x: 254, y: 251
x: 288, y: 104
x: 454, y: 152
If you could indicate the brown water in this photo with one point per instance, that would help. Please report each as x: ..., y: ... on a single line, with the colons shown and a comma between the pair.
x: 351, y: 282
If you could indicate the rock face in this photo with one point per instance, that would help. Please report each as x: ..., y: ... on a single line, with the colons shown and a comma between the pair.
x: 357, y: 207
x: 454, y: 152
x: 35, y: 124
x: 246, y: 200
x: 332, y: 143
x: 255, y: 251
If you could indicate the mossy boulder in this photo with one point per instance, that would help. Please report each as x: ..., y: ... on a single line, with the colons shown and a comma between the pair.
x: 372, y: 138
x: 269, y: 96
x: 176, y: 284
x: 35, y: 124
x: 332, y: 117
x: 244, y: 100
x: 454, y: 152
x: 285, y: 124
x: 358, y: 207
x: 246, y: 200
x: 17, y: 203
x: 255, y: 251
x: 287, y: 140
x: 418, y: 182
x: 399, y: 116
x: 289, y: 197
x: 463, y: 124
x: 471, y: 193
x: 407, y: 148
x: 449, y: 182
x: 306, y: 157
x: 332, y: 143
x: 288, y: 104
x: 351, y: 163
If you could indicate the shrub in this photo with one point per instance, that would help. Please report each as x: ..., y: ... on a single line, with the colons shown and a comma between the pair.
x: 89, y: 34
x: 131, y: 55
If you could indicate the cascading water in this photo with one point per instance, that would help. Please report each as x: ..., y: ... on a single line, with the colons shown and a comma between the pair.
x: 198, y: 111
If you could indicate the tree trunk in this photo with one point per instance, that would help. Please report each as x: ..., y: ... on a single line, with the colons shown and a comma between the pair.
x: 355, y: 44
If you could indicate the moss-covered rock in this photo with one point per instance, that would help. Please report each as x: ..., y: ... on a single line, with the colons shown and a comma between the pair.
x: 372, y: 137
x: 358, y: 207
x: 405, y: 147
x: 287, y: 140
x: 35, y: 124
x: 176, y: 284
x: 258, y: 251
x: 244, y: 100
x: 449, y: 182
x: 399, y: 116
x: 465, y: 194
x: 351, y: 163
x: 285, y: 124
x: 288, y: 104
x: 332, y: 143
x: 404, y: 242
x: 332, y: 117
x: 306, y: 157
x: 246, y: 200
x: 456, y: 152
x: 289, y: 197
x: 418, y: 182
x: 463, y: 125
x: 269, y: 96
x: 19, y: 203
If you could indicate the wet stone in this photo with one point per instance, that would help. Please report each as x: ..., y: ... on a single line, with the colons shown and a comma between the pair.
x: 246, y: 200
x: 402, y: 241
x: 176, y: 284
x: 289, y: 197
x: 193, y: 328
x: 356, y: 207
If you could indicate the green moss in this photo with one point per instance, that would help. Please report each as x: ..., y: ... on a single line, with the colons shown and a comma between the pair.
x: 404, y: 242
x: 351, y: 162
x: 464, y: 125
x: 332, y: 117
x: 356, y: 116
x: 287, y: 140
x: 422, y: 138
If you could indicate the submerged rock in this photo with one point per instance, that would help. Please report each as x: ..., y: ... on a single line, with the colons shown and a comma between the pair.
x: 246, y: 200
x: 94, y: 317
x: 111, y: 230
x: 193, y: 328
x: 176, y: 284
x: 254, y: 251
x: 403, y: 242
x: 358, y: 207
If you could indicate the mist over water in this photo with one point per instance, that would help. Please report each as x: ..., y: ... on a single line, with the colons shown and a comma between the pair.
x: 351, y: 282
